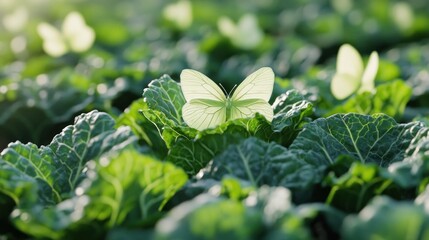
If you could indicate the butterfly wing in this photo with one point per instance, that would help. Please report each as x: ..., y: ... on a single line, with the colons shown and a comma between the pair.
x: 343, y: 85
x: 206, y: 103
x: 369, y: 74
x: 196, y: 85
x: 53, y: 41
x: 258, y: 85
x: 79, y: 36
x: 347, y: 78
x: 202, y: 113
x: 247, y: 108
x: 252, y: 95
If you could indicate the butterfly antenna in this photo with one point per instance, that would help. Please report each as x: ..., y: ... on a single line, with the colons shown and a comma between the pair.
x: 228, y: 93
x: 232, y: 90
x: 220, y: 84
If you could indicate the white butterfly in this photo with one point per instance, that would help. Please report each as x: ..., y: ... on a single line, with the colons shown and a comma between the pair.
x: 207, y: 106
x: 351, y: 75
x: 246, y: 34
x: 74, y: 36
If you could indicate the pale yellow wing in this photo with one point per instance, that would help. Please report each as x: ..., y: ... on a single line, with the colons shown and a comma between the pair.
x: 258, y: 85
x: 347, y: 78
x: 370, y: 73
x: 203, y: 114
x: 196, y: 85
x: 349, y: 61
x: 343, y: 85
x: 248, y: 108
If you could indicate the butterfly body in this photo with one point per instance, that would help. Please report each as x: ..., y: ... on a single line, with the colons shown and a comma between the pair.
x: 207, y: 105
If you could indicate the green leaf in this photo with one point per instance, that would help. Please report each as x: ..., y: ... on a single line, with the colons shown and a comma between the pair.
x: 292, y: 111
x: 387, y: 219
x: 91, y: 135
x: 16, y: 185
x: 165, y: 95
x: 121, y: 189
x: 361, y: 182
x: 290, y: 226
x: 354, y: 189
x: 59, y: 167
x: 369, y: 139
x: 208, y: 217
x: 376, y: 139
x: 36, y: 165
x: 36, y: 105
x: 133, y: 182
x: 192, y: 153
x: 236, y: 189
x: 164, y: 99
x: 260, y: 163
x: 390, y: 98
x: 192, y: 189
x: 142, y: 127
x: 414, y: 169
x: 38, y: 178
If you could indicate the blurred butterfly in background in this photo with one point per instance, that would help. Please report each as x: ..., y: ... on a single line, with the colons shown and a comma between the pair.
x: 74, y: 36
x: 207, y: 105
x: 351, y: 76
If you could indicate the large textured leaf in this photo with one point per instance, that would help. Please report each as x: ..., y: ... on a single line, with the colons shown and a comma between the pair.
x: 366, y: 139
x: 16, y: 185
x: 387, y: 219
x: 414, y: 169
x: 164, y: 101
x: 59, y: 167
x: 352, y: 190
x: 291, y: 112
x: 193, y: 153
x: 261, y: 163
x: 142, y: 127
x: 369, y: 139
x: 165, y: 95
x: 154, y: 182
x: 121, y: 189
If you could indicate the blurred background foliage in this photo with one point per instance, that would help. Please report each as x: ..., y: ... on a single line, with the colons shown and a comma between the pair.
x: 137, y: 41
